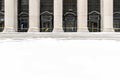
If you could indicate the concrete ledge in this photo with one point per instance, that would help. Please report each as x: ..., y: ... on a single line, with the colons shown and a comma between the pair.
x: 61, y: 35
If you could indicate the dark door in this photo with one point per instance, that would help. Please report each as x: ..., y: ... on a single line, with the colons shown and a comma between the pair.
x: 1, y: 22
x: 23, y: 15
x: 1, y: 15
x: 94, y: 23
x: 70, y: 15
x: 46, y: 22
x: 70, y: 23
x: 117, y: 25
x: 116, y: 22
x: 23, y: 23
x: 46, y: 15
x: 94, y: 26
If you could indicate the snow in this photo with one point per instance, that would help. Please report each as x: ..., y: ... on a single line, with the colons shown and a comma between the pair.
x: 53, y: 59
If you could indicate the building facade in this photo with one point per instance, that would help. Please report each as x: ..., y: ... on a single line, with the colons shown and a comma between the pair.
x: 59, y: 15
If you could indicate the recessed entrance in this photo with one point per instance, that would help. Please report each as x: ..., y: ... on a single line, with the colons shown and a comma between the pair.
x: 23, y: 21
x: 46, y: 20
x: 117, y: 22
x: 23, y: 16
x: 46, y: 15
x: 94, y: 22
x: 1, y: 22
x: 2, y: 15
x: 69, y: 22
x: 70, y: 15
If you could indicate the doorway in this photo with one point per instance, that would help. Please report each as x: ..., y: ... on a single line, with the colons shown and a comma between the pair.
x: 94, y: 23
x: 1, y: 22
x: 23, y: 23
x: 116, y: 22
x: 46, y: 20
x: 70, y: 22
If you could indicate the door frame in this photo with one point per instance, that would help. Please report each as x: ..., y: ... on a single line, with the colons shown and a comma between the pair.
x: 116, y: 17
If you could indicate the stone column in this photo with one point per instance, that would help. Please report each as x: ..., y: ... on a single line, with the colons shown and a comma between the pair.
x: 107, y: 15
x: 58, y: 15
x: 82, y: 15
x: 10, y: 15
x: 34, y: 15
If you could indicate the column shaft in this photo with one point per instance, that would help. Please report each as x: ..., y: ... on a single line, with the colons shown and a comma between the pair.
x: 34, y: 15
x: 82, y: 15
x: 10, y: 15
x: 58, y: 16
x: 107, y: 14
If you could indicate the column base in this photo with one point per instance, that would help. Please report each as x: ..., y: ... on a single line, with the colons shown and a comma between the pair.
x: 82, y: 29
x: 58, y: 30
x: 108, y: 30
x: 9, y: 30
x: 33, y: 30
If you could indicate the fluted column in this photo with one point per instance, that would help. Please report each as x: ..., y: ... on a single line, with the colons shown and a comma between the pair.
x: 34, y: 15
x: 82, y: 15
x: 107, y: 15
x: 58, y: 17
x: 10, y: 15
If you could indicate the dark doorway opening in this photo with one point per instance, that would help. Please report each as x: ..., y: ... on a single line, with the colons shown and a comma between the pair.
x: 23, y: 23
x: 46, y: 22
x: 23, y: 15
x: 69, y: 22
x: 1, y: 15
x: 94, y: 23
x: 1, y: 21
x: 116, y: 22
x: 70, y: 15
x: 46, y: 15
